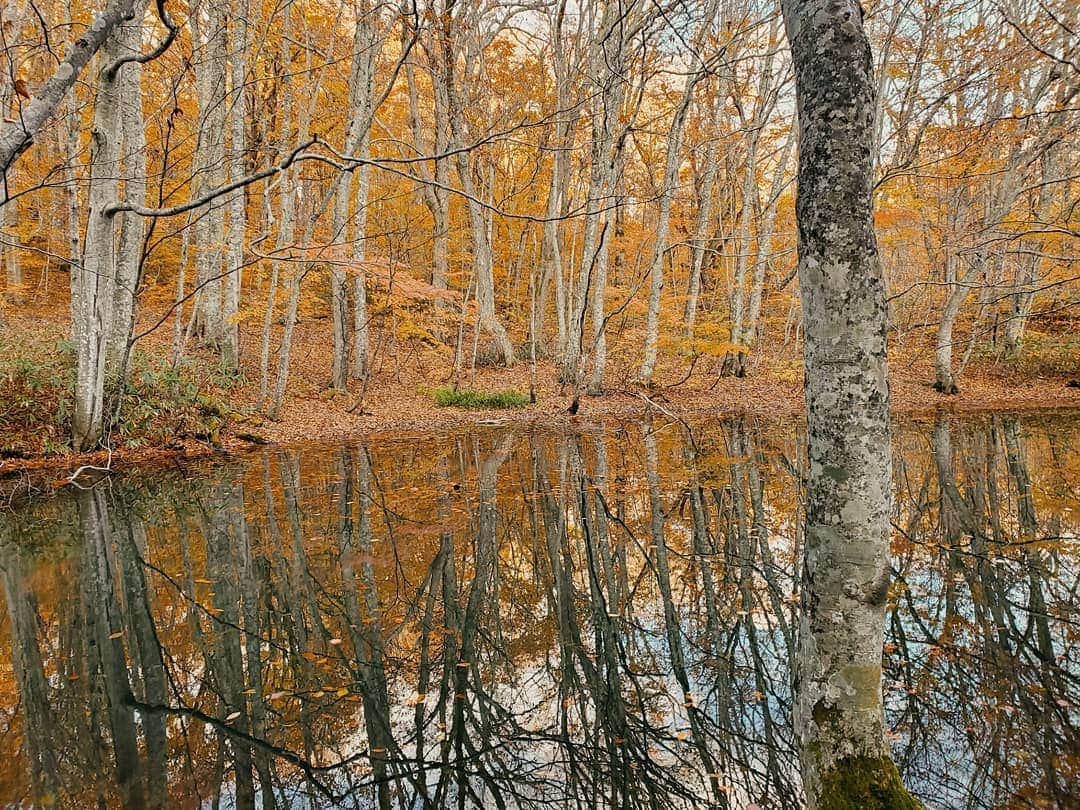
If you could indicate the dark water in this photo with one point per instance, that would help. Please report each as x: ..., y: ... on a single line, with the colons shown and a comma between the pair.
x: 497, y: 619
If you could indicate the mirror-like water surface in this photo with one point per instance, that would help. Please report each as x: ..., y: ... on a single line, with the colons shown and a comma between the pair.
x: 498, y: 619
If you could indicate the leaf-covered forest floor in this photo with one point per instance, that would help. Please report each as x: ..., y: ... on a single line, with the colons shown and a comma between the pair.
x: 218, y: 412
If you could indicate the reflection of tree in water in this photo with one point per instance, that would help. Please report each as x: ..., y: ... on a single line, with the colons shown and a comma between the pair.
x: 982, y: 642
x: 597, y: 620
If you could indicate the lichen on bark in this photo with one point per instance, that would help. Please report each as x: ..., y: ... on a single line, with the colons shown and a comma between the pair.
x: 838, y: 708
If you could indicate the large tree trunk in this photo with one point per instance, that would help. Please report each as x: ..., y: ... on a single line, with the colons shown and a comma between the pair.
x: 97, y: 279
x: 838, y: 706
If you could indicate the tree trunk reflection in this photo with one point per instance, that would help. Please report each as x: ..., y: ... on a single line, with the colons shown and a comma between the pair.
x: 597, y: 619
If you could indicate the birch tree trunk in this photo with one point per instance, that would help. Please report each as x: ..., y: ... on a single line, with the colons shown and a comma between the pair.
x: 97, y: 279
x: 734, y: 359
x: 132, y: 226
x: 435, y: 185
x: 235, y: 209
x: 838, y: 705
x: 761, y: 259
x: 286, y: 215
x: 208, y: 24
x: 667, y: 192
x: 551, y: 262
x: 699, y: 242
x: 608, y: 76
x: 297, y: 189
x: 367, y: 44
x: 361, y: 361
x: 483, y: 263
x: 944, y: 381
x: 1034, y: 141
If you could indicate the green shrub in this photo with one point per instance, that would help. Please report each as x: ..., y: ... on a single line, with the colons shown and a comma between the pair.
x: 37, y: 385
x: 447, y: 397
x: 158, y: 404
x: 1047, y: 355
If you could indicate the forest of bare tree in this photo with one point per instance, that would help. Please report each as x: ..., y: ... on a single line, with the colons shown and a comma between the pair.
x: 271, y: 202
x: 387, y: 237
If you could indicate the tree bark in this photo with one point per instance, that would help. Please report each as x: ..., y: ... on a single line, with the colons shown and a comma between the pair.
x: 838, y: 705
x: 607, y: 71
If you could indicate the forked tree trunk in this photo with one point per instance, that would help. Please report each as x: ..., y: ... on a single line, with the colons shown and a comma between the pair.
x: 838, y: 705
x: 607, y: 60
x: 450, y: 83
x: 434, y: 189
x: 551, y: 261
x: 97, y: 279
x: 17, y: 135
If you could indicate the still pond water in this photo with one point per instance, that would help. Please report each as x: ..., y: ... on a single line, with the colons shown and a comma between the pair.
x: 520, y: 619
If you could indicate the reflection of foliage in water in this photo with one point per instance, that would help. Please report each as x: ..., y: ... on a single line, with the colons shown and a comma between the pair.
x: 499, y: 620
